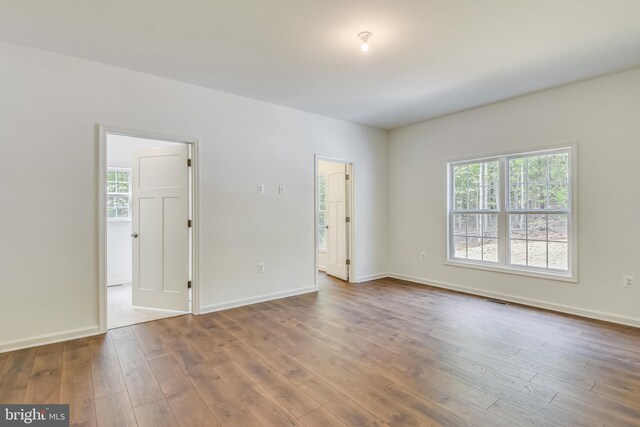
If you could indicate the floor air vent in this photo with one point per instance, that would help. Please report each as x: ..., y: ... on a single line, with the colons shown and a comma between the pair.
x: 496, y: 301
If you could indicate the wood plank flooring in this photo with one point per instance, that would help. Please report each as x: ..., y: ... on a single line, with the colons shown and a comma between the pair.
x: 384, y: 353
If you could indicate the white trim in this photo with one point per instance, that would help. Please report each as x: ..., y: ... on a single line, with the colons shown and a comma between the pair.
x: 117, y: 220
x: 193, y: 142
x: 370, y: 277
x: 561, y: 308
x: 351, y: 206
x: 524, y: 271
x: 258, y: 299
x: 51, y: 338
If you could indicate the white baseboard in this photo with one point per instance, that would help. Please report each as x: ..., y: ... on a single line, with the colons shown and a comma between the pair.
x: 255, y: 300
x: 55, y: 337
x: 592, y: 314
x: 369, y: 277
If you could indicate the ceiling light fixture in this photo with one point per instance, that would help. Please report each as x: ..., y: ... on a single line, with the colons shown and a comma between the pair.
x: 364, y: 36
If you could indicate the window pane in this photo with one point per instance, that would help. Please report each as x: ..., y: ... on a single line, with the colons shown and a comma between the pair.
x: 519, y: 252
x: 491, y: 173
x: 558, y: 228
x: 474, y: 175
x: 537, y: 256
x: 559, y: 168
x: 489, y: 197
x: 537, y: 167
x: 559, y: 255
x: 474, y: 225
x: 558, y: 196
x: 460, y: 201
x: 121, y: 201
x: 460, y: 177
x: 537, y: 196
x: 473, y: 202
x: 123, y: 212
x: 111, y: 202
x: 123, y: 187
x: 460, y: 224
x: 475, y: 186
x: 322, y: 231
x: 517, y: 226
x: 517, y: 170
x: 123, y: 176
x: 518, y: 197
x: 460, y: 247
x: 322, y: 217
x: 111, y: 212
x: 111, y: 175
x: 537, y: 227
x: 490, y: 250
x: 474, y: 249
x: 490, y: 225
x: 111, y: 187
x: 322, y: 193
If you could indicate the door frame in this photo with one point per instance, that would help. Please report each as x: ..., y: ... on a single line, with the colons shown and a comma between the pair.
x: 351, y: 243
x: 103, y: 131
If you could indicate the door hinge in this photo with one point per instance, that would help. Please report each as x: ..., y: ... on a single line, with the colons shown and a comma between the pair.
x: 347, y: 177
x: 188, y: 162
x: 189, y: 284
x: 348, y: 262
x: 189, y: 223
x: 348, y: 219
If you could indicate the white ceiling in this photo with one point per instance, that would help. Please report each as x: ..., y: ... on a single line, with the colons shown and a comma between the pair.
x: 427, y: 57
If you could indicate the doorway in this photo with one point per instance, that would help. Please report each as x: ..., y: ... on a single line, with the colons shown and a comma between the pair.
x: 147, y: 227
x: 335, y: 218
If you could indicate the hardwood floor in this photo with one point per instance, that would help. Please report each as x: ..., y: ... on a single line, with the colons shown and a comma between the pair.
x: 376, y: 354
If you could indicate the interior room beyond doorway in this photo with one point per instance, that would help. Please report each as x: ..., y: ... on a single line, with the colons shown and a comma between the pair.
x: 122, y: 152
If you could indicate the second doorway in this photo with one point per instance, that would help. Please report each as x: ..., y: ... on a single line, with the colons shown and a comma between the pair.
x: 334, y: 217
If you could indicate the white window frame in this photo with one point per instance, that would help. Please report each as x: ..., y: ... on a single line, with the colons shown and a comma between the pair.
x: 128, y: 195
x: 503, y: 266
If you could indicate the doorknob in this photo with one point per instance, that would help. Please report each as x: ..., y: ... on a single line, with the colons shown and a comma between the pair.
x: 326, y: 226
x: 135, y: 235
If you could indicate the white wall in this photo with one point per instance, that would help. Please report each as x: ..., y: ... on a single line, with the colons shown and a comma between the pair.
x: 603, y: 115
x: 120, y: 151
x: 50, y: 106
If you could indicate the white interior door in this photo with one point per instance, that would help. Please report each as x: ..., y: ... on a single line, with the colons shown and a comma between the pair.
x: 336, y: 219
x: 160, y: 228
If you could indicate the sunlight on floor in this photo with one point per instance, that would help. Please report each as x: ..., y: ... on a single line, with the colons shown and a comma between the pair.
x: 122, y: 313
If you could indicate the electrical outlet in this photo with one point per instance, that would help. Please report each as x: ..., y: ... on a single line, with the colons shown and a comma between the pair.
x: 628, y: 282
x: 260, y: 188
x: 261, y: 267
x: 423, y: 255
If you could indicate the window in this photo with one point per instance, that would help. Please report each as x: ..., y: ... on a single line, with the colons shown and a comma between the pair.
x: 118, y: 194
x: 513, y: 212
x: 322, y: 213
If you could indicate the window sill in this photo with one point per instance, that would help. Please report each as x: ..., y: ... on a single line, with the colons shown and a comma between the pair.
x: 118, y: 219
x: 322, y: 251
x: 512, y: 270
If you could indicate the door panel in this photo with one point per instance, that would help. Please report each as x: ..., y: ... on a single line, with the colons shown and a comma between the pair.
x: 160, y: 214
x: 336, y: 218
